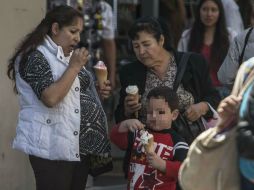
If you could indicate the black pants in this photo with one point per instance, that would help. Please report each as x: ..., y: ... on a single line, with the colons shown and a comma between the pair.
x: 60, y: 175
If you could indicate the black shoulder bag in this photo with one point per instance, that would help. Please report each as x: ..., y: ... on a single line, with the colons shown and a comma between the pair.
x: 240, y: 60
x: 186, y: 129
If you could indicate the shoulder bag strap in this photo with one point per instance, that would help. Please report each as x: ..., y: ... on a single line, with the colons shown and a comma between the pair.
x: 240, y: 60
x: 180, y: 70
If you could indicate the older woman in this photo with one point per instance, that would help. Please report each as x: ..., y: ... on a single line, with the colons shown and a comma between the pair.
x: 157, y: 65
x: 61, y: 124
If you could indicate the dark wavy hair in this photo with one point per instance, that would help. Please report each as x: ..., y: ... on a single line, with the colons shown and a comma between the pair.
x: 166, y: 93
x: 220, y: 43
x: 154, y: 26
x: 63, y: 15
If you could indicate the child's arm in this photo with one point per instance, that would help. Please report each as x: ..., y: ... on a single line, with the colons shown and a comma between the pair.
x: 156, y: 162
x: 130, y: 125
x: 170, y: 168
x: 119, y: 139
x: 119, y: 133
x: 180, y: 151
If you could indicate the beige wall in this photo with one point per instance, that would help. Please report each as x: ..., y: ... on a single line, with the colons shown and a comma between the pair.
x: 17, y: 18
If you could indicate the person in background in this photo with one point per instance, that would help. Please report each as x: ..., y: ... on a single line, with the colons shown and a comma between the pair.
x: 235, y: 56
x: 233, y: 109
x: 99, y: 34
x: 61, y: 122
x: 210, y: 37
x: 246, y: 10
x: 233, y: 16
x: 156, y: 168
x: 156, y: 65
x: 241, y: 49
x: 173, y: 11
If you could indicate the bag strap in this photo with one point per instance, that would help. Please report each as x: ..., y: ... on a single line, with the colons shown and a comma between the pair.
x: 240, y: 84
x: 240, y: 60
x: 181, y: 69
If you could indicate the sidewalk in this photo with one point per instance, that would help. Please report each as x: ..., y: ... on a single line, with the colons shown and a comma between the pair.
x: 109, y: 182
x: 113, y: 187
x: 113, y: 180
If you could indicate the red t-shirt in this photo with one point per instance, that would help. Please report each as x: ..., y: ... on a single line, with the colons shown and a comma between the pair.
x: 168, y: 145
x: 206, y: 52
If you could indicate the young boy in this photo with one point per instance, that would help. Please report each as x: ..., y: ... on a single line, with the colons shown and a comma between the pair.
x: 157, y: 169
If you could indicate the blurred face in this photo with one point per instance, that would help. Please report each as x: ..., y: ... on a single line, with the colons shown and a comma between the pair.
x: 68, y: 36
x: 209, y: 13
x: 147, y: 49
x: 159, y: 115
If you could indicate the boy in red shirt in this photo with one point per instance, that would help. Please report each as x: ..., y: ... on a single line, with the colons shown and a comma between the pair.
x: 157, y: 169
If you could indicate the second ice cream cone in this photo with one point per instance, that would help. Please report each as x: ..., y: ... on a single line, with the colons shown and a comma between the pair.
x: 149, y: 146
x: 101, y: 73
x: 132, y: 90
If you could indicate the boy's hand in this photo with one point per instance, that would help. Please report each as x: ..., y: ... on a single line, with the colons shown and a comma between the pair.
x: 130, y: 125
x: 156, y: 162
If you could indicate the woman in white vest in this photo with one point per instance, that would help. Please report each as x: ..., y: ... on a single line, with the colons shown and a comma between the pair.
x: 61, y: 123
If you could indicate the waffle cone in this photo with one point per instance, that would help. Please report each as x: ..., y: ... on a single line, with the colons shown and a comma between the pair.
x: 136, y: 99
x: 101, y: 75
x: 149, y: 146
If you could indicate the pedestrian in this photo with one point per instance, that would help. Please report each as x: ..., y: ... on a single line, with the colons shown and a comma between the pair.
x: 210, y: 37
x: 156, y: 166
x: 233, y: 15
x: 240, y: 50
x: 61, y: 123
x: 157, y: 65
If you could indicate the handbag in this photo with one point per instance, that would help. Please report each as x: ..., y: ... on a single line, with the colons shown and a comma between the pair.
x: 186, y: 129
x: 211, y: 163
x: 245, y: 126
x: 212, y: 160
x: 99, y: 165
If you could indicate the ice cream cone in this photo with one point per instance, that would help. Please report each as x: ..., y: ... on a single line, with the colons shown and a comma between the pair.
x: 132, y: 90
x: 101, y: 73
x: 147, y: 140
x: 149, y: 146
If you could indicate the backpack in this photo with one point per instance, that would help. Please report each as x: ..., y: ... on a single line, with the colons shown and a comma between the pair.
x: 216, y: 149
x: 211, y: 163
x: 245, y: 133
x: 245, y: 127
